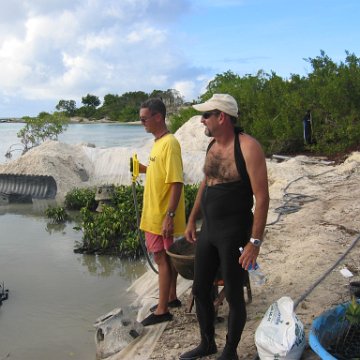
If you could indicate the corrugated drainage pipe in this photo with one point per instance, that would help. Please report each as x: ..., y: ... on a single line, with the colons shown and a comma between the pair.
x: 36, y: 186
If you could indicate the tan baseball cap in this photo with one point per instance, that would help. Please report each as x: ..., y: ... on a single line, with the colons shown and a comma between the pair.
x: 223, y: 102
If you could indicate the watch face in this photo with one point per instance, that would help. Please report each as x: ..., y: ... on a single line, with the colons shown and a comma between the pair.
x: 256, y: 242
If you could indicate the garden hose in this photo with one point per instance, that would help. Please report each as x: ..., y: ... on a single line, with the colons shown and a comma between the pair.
x: 134, y: 169
x: 293, y: 201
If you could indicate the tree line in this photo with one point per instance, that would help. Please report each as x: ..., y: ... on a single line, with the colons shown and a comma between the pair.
x: 271, y: 107
x: 122, y: 108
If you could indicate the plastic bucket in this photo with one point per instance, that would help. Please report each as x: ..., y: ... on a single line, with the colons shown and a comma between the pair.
x: 326, y: 329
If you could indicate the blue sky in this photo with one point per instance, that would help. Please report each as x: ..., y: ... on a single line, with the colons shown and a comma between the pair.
x: 64, y: 49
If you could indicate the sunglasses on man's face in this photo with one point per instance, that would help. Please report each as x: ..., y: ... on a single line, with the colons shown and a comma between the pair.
x: 208, y: 114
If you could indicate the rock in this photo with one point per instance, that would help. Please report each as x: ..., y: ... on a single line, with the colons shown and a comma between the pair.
x: 114, y: 331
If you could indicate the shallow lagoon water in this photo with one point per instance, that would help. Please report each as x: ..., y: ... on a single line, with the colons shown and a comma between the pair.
x: 55, y: 295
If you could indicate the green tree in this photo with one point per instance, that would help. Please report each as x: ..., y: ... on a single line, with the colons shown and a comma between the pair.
x: 272, y: 108
x: 171, y: 98
x: 130, y: 103
x: 91, y: 101
x: 179, y: 119
x: 68, y: 106
x: 41, y: 128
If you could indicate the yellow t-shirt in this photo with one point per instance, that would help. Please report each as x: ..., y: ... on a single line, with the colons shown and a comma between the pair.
x: 165, y: 167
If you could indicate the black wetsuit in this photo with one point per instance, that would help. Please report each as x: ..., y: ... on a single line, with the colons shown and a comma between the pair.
x: 227, y: 221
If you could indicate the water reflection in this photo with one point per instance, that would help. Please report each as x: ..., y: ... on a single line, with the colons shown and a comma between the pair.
x: 106, y: 265
x: 52, y: 228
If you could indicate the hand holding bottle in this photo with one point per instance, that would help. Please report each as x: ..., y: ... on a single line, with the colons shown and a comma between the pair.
x: 257, y: 276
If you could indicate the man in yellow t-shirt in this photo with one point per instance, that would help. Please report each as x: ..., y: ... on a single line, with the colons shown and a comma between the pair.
x: 163, y: 214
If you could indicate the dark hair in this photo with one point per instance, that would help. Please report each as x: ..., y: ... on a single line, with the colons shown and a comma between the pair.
x: 233, y: 119
x: 155, y: 105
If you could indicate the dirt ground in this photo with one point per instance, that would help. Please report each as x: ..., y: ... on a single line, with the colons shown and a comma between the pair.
x: 299, y: 249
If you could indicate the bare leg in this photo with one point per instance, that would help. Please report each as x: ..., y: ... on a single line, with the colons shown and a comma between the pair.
x: 165, y: 277
x: 174, y: 274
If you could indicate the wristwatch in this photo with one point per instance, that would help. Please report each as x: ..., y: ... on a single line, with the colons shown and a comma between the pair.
x: 171, y: 214
x: 255, y: 242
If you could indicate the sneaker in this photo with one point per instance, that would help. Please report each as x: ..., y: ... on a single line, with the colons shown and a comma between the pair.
x: 171, y: 304
x: 153, y: 319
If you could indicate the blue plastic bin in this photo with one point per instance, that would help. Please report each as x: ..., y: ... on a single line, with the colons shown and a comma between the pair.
x: 325, y: 329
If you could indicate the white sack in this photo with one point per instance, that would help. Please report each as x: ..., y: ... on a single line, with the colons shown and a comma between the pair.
x: 280, y: 335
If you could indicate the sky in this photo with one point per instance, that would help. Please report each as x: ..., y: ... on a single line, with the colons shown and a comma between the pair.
x: 53, y: 50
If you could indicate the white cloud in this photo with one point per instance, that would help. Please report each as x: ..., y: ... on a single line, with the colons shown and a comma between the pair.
x: 64, y: 50
x: 150, y: 35
x: 186, y: 89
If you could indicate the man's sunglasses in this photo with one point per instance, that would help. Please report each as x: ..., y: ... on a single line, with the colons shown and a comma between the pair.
x: 208, y: 114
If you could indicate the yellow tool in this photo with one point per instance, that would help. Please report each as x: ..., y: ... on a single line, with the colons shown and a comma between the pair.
x: 134, y: 168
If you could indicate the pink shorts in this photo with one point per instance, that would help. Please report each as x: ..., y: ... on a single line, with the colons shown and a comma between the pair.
x: 156, y: 243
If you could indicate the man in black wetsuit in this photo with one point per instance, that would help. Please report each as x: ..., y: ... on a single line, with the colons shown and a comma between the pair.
x: 235, y: 173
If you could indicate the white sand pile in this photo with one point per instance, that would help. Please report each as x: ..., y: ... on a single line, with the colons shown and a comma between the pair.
x: 81, y: 165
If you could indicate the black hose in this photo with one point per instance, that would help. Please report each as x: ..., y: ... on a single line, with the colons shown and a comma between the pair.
x: 292, y: 200
x: 317, y: 282
x: 141, y: 239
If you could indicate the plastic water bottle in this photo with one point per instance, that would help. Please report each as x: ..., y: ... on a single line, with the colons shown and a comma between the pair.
x: 256, y: 275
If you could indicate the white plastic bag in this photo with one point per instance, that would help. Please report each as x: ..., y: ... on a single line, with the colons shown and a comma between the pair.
x: 280, y: 335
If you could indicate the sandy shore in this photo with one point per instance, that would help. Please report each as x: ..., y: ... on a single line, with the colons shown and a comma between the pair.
x: 81, y: 120
x: 299, y: 248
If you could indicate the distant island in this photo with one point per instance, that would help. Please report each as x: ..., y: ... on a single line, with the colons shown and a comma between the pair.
x: 11, y: 120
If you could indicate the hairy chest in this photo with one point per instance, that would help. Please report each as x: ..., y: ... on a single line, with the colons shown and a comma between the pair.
x: 220, y: 166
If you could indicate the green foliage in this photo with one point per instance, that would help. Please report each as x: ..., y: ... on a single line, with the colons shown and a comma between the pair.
x: 129, y: 104
x: 114, y: 230
x: 179, y: 119
x: 190, y: 191
x: 352, y: 313
x: 122, y: 108
x: 57, y: 214
x: 91, y: 101
x: 79, y: 198
x: 104, y: 231
x: 272, y: 108
x: 68, y: 106
x: 41, y: 128
x: 171, y: 98
x: 348, y: 333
